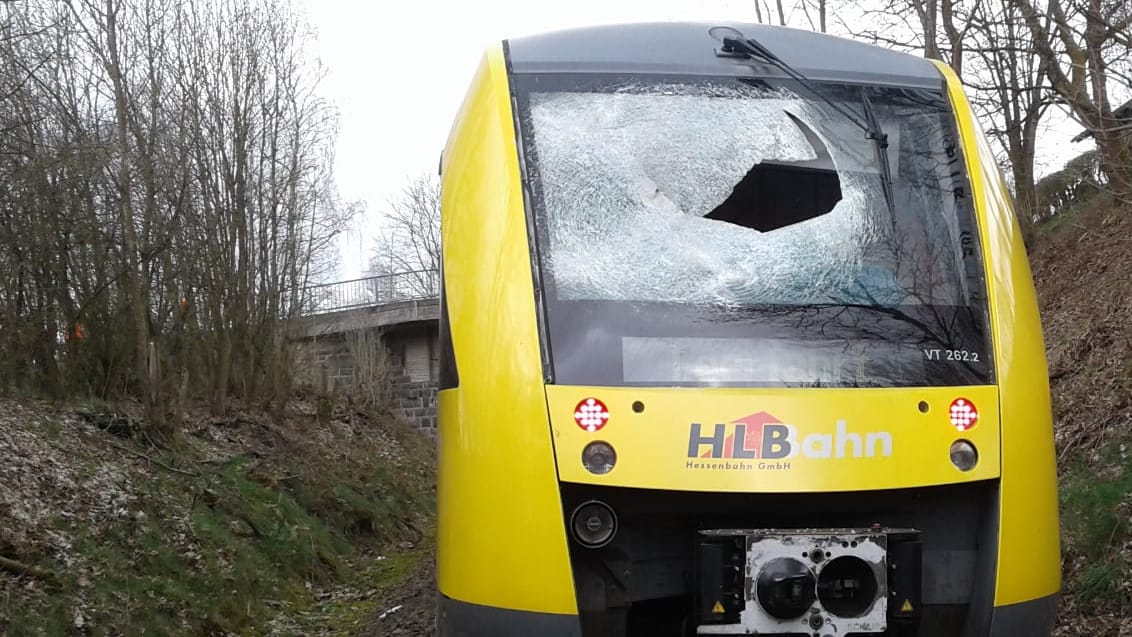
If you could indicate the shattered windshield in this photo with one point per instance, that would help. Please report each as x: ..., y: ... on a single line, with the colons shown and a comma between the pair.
x: 736, y: 232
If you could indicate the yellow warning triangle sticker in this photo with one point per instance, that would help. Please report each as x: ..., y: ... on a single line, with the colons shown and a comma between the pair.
x: 717, y: 609
x: 907, y: 607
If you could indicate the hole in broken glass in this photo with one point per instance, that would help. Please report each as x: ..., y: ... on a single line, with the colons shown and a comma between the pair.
x: 775, y: 194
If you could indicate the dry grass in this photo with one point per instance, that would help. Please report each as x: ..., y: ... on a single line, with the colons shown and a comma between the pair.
x: 1083, y: 273
x: 372, y: 367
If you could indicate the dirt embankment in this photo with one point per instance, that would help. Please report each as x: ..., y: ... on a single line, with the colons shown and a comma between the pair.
x: 1082, y: 266
x: 1083, y: 272
x: 244, y: 524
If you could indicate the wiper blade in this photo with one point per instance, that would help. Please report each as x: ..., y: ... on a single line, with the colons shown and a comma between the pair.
x: 734, y: 42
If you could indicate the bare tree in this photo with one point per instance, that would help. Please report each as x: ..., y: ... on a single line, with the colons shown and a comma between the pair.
x: 820, y: 7
x: 101, y: 23
x: 758, y: 12
x: 1010, y: 93
x: 1080, y: 45
x: 261, y: 144
x: 409, y: 246
x: 165, y: 195
x: 781, y: 13
x: 763, y: 12
x: 916, y: 25
x: 992, y: 51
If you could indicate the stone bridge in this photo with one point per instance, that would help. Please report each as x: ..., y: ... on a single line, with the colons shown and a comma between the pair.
x: 380, y: 329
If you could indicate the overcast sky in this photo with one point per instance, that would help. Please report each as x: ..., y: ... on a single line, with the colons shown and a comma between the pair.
x: 399, y: 69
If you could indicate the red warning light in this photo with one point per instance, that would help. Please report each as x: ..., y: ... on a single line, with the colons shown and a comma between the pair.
x: 591, y: 414
x: 964, y: 414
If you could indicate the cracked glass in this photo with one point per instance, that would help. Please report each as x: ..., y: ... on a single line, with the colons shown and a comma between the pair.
x: 668, y: 260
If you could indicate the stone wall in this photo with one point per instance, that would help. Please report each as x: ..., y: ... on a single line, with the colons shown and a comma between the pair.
x: 330, y: 354
x: 414, y: 402
x: 412, y: 360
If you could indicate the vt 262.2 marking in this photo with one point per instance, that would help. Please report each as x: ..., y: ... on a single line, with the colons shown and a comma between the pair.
x: 951, y: 355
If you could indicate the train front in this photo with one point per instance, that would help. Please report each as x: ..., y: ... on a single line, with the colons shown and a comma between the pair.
x: 737, y: 339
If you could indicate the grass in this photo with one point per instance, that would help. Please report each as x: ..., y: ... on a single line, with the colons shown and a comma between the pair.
x: 343, y: 615
x: 1095, y: 523
x: 225, y: 551
x: 246, y: 545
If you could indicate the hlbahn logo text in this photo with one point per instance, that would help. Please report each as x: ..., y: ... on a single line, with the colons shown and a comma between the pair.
x: 765, y: 437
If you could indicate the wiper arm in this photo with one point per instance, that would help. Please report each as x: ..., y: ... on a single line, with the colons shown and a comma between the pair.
x: 880, y: 145
x: 735, y: 42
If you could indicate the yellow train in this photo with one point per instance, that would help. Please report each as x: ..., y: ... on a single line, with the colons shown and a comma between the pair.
x: 738, y: 336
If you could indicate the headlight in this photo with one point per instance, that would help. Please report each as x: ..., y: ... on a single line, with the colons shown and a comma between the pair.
x: 599, y: 458
x: 964, y: 455
x: 594, y: 524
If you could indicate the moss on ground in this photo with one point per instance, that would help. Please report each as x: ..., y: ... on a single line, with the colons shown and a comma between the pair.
x: 353, y: 610
x: 1096, y: 502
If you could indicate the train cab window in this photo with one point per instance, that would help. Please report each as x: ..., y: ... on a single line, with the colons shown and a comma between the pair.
x: 720, y: 232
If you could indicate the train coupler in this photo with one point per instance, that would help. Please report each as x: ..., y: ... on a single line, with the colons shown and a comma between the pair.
x: 828, y: 582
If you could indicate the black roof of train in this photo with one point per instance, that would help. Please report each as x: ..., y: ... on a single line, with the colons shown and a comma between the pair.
x: 686, y: 48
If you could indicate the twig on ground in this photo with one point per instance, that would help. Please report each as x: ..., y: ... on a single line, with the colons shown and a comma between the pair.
x: 412, y: 527
x: 154, y: 461
x: 19, y: 568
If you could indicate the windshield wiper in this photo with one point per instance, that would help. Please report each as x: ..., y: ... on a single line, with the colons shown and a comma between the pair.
x: 735, y: 43
x: 880, y: 145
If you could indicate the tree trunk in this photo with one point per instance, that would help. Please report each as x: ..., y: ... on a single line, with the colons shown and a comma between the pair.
x: 138, y: 308
x: 1025, y: 193
x: 1115, y: 148
x: 926, y: 12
